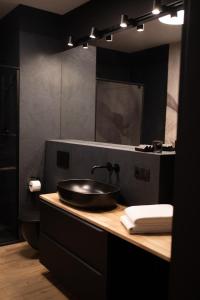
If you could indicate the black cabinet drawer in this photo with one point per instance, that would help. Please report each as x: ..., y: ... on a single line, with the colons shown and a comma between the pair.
x: 80, y: 279
x: 79, y: 237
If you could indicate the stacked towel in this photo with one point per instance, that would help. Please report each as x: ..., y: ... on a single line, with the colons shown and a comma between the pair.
x: 155, y: 218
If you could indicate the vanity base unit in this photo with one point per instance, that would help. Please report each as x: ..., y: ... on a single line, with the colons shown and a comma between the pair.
x: 95, y: 264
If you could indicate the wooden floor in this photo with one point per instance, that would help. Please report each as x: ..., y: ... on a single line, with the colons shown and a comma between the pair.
x: 22, y: 277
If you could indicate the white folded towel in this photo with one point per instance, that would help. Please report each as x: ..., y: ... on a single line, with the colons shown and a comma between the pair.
x: 155, y: 218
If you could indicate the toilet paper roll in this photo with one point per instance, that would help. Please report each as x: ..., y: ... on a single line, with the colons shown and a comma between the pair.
x: 34, y: 186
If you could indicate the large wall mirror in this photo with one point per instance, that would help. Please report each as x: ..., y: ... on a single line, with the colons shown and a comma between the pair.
x: 123, y: 91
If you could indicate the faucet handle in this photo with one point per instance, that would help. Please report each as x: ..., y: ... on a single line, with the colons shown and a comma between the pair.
x: 109, y: 167
x: 116, y: 168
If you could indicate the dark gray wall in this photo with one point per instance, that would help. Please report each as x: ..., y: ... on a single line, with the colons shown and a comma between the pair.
x: 78, y: 93
x: 9, y: 35
x: 40, y: 88
x: 114, y: 65
x: 31, y: 38
x: 57, y: 92
x: 84, y: 155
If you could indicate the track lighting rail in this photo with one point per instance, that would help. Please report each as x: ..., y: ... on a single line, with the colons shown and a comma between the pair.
x: 166, y: 9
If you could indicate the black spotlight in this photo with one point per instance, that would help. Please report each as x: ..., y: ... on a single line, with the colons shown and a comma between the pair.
x: 93, y: 33
x: 157, y: 7
x: 140, y: 27
x: 124, y: 21
x: 70, y: 42
x: 85, y: 45
x: 109, y: 38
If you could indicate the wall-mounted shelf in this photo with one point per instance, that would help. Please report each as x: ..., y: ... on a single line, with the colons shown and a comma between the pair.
x: 9, y: 168
x: 8, y: 134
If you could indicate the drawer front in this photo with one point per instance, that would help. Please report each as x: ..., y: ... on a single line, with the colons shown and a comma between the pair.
x: 79, y: 237
x: 79, y: 278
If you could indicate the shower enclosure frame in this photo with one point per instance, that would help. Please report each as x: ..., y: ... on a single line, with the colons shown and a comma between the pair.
x: 17, y: 69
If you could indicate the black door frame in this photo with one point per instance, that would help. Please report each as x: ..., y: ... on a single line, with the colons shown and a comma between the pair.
x: 185, y: 263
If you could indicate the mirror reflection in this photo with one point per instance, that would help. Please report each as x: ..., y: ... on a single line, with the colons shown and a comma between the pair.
x: 118, y: 112
x: 128, y: 84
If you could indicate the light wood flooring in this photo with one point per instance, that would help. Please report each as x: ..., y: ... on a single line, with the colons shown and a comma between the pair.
x: 22, y: 277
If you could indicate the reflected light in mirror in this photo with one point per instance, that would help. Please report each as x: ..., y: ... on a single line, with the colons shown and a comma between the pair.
x: 156, y: 11
x: 140, y: 28
x: 92, y: 33
x: 156, y: 7
x: 70, y: 42
x: 85, y: 46
x: 109, y: 38
x: 177, y: 19
x: 124, y: 21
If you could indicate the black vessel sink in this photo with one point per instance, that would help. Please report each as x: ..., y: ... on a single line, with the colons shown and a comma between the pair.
x: 88, y: 194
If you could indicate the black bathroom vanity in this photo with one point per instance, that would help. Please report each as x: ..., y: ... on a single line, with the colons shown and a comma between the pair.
x: 95, y: 258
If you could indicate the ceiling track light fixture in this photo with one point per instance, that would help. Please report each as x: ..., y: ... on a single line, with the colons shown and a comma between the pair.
x: 157, y: 7
x: 172, y: 15
x: 124, y: 21
x: 70, y: 42
x: 109, y: 37
x: 93, y: 33
x: 85, y: 45
x: 140, y: 27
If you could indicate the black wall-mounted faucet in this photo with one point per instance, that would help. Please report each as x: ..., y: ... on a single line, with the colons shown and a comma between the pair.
x: 108, y: 166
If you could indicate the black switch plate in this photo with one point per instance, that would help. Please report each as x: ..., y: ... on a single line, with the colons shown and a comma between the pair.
x: 142, y: 174
x: 63, y: 160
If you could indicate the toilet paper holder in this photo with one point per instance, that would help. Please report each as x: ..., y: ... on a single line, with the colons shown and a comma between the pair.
x: 34, y: 184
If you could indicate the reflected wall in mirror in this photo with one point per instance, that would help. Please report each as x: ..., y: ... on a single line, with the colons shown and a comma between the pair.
x: 114, y: 122
x: 147, y: 62
x: 150, y: 58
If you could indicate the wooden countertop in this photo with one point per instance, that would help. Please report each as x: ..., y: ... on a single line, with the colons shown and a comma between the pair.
x: 159, y: 245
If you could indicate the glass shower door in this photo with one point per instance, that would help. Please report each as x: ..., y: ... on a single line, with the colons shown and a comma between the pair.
x: 8, y: 155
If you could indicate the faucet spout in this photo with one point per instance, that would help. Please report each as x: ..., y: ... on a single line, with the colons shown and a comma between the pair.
x: 108, y: 166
